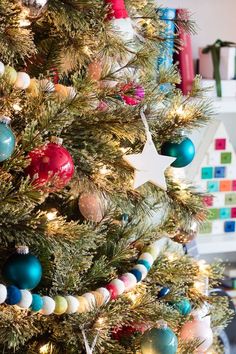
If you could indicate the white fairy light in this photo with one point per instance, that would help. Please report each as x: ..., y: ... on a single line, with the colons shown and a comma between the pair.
x: 51, y: 215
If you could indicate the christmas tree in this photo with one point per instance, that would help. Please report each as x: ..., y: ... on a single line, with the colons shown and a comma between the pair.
x: 92, y: 227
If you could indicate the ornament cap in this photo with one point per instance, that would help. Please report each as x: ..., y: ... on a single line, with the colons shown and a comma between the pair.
x: 161, y: 324
x: 5, y: 120
x: 22, y: 249
x: 56, y: 140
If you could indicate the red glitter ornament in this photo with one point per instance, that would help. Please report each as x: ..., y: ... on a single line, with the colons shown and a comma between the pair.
x: 51, y: 165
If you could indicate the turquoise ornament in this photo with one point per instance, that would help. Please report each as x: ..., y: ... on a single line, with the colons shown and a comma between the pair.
x: 145, y: 263
x: 183, y: 306
x: 184, y: 152
x: 22, y: 269
x: 37, y: 303
x: 159, y: 341
x: 7, y: 139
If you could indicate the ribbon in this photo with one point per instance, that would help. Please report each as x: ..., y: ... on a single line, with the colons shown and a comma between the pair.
x: 145, y: 123
x: 215, y: 53
x: 89, y: 350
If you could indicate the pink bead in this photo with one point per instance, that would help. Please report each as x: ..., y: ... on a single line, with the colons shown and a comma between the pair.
x: 129, y: 280
x: 113, y: 291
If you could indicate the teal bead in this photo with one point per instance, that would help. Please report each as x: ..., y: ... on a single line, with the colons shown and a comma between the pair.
x: 7, y: 141
x: 183, y: 306
x: 159, y: 341
x: 37, y: 303
x: 22, y: 270
x: 145, y: 263
x: 184, y: 152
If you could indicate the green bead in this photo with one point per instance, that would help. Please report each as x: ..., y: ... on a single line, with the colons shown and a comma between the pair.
x: 154, y: 252
x: 183, y: 306
x: 184, y: 152
x: 61, y: 305
x: 159, y: 341
x: 10, y: 74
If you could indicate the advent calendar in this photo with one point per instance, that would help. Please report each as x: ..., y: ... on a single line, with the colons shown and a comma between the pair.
x: 214, y: 172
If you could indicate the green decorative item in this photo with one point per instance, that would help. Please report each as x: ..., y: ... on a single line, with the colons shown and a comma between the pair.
x: 22, y: 269
x: 159, y: 341
x: 183, y: 306
x: 184, y: 152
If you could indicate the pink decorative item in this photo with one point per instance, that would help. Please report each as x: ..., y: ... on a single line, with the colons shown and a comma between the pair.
x: 50, y: 164
x: 92, y: 206
x: 132, y: 94
x: 113, y: 291
x: 198, y: 329
x: 129, y: 280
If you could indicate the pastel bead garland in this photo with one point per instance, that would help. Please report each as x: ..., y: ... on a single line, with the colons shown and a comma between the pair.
x: 59, y: 305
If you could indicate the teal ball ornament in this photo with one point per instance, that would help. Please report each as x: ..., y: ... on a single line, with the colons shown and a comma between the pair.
x: 184, y: 152
x: 7, y: 139
x: 159, y: 341
x: 183, y: 306
x: 22, y: 269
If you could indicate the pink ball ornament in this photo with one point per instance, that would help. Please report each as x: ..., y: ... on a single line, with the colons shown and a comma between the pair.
x: 92, y: 206
x: 50, y: 164
x: 197, y: 329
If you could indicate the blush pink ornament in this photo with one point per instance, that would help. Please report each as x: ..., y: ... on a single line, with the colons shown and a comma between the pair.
x: 92, y: 206
x: 200, y: 330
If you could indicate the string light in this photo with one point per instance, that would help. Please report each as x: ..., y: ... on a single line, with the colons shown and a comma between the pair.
x: 203, y: 267
x: 104, y: 170
x: 46, y: 349
x: 24, y: 21
x: 17, y: 107
x: 180, y: 110
x: 132, y: 296
x: 124, y: 150
x: 51, y: 215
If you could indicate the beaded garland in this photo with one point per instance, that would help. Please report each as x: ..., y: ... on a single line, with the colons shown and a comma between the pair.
x: 69, y: 304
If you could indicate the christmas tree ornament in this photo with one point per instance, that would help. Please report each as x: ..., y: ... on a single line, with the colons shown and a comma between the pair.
x: 83, y: 304
x: 48, y: 306
x: 119, y: 333
x: 92, y: 206
x: 90, y: 300
x: 72, y: 304
x: 10, y: 74
x: 119, y: 284
x: 2, y: 68
x: 26, y: 299
x: 129, y: 281
x: 200, y: 330
x: 37, y: 303
x: 183, y: 152
x: 22, y: 81
x: 3, y: 293
x: 95, y: 70
x: 13, y: 295
x: 34, y: 88
x: 124, y: 219
x: 183, y: 306
x: 163, y: 292
x: 105, y: 293
x: 61, y: 305
x: 183, y: 236
x: 159, y: 341
x: 51, y: 165
x: 119, y: 17
x: 34, y: 9
x: 46, y: 85
x: 149, y: 165
x: 132, y: 94
x: 142, y: 269
x: 23, y: 269
x: 61, y: 90
x: 7, y: 139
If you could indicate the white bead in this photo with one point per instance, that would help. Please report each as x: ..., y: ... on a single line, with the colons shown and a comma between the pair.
x: 48, y: 305
x: 46, y: 85
x: 3, y: 293
x: 147, y: 257
x: 2, y: 68
x: 142, y: 269
x: 105, y: 293
x: 90, y: 299
x: 22, y: 80
x: 26, y: 299
x: 119, y: 284
x: 132, y: 281
x: 73, y: 304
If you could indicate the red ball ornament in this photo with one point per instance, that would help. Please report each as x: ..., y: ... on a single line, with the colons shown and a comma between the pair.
x: 50, y: 165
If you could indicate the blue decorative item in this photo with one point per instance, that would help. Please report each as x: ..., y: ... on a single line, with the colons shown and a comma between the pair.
x: 145, y: 263
x: 125, y: 218
x: 184, y: 152
x: 37, y: 303
x: 7, y: 139
x: 159, y: 341
x: 183, y: 306
x: 137, y: 274
x: 163, y: 292
x: 13, y: 295
x: 23, y: 269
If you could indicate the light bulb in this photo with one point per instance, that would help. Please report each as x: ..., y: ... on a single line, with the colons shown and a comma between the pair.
x: 45, y: 349
x: 51, y: 215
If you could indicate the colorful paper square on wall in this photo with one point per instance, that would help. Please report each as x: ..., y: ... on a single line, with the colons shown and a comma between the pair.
x: 215, y: 170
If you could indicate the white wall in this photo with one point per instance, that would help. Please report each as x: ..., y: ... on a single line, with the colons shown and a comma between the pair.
x: 215, y: 19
